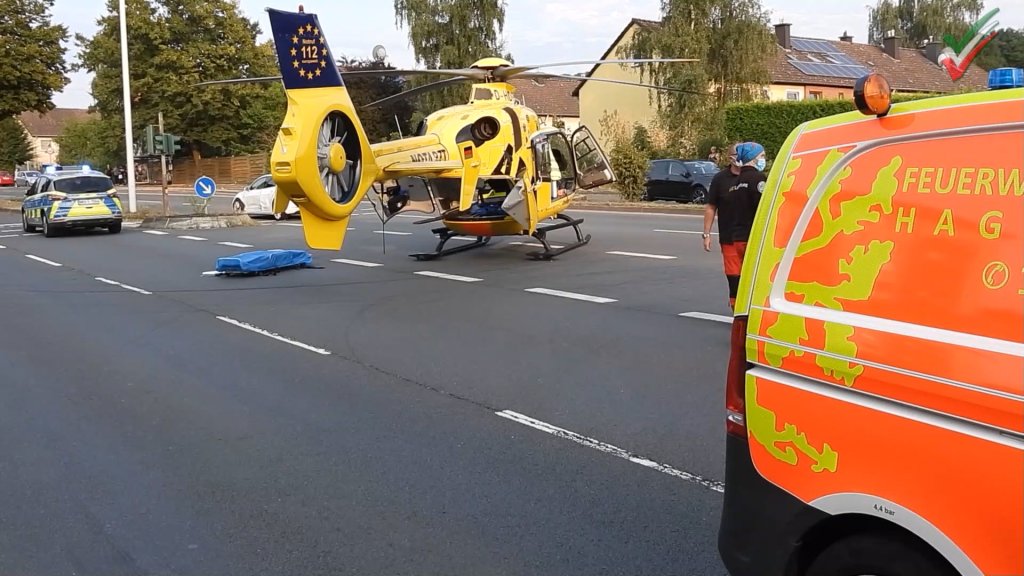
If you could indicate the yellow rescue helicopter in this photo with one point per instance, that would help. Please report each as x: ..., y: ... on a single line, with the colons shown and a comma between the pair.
x: 486, y: 167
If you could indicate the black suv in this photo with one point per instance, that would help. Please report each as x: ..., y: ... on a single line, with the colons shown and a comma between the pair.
x: 679, y: 180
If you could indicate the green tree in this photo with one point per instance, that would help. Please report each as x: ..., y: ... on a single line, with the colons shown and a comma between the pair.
x: 15, y: 148
x: 731, y: 38
x: 93, y: 142
x: 174, y: 44
x: 918, y: 21
x: 451, y: 34
x: 32, y: 67
x: 379, y: 123
x: 1006, y: 49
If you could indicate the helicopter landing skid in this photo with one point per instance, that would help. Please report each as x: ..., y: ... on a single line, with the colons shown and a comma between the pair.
x: 445, y: 235
x: 541, y: 235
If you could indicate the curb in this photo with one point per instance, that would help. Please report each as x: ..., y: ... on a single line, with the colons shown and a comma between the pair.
x: 189, y: 222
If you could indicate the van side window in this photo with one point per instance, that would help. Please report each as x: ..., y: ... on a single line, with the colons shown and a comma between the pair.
x: 933, y: 238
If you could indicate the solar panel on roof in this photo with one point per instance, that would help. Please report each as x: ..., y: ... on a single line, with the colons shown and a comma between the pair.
x: 809, y: 45
x: 831, y: 70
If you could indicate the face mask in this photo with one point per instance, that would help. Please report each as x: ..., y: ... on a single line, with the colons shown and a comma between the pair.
x: 761, y: 162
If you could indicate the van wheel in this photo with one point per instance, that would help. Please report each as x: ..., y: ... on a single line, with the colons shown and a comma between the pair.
x: 887, y: 553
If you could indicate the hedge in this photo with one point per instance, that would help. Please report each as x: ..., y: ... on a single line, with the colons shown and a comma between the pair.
x: 770, y: 123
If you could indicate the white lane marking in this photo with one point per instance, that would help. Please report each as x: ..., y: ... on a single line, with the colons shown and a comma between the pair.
x: 210, y: 273
x: 412, y: 215
x: 32, y: 234
x: 448, y: 276
x: 125, y: 286
x: 609, y: 449
x: 15, y: 225
x: 191, y: 238
x: 43, y: 260
x: 706, y: 316
x: 235, y: 244
x: 464, y: 238
x: 533, y: 244
x: 685, y: 232
x: 573, y: 295
x: 288, y: 224
x: 10, y: 235
x: 392, y: 232
x: 356, y: 262
x: 155, y: 232
x: 642, y: 255
x: 263, y: 332
x: 2, y: 247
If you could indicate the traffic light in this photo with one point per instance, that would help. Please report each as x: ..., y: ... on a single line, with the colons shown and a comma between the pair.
x: 147, y: 142
x: 159, y: 144
x: 171, y: 144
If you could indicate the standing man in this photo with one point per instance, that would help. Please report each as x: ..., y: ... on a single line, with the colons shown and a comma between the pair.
x: 734, y: 195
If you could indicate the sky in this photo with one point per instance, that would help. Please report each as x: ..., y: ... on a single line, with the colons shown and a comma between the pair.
x: 536, y: 31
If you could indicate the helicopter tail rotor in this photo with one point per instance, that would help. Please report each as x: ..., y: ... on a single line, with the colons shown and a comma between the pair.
x: 321, y: 160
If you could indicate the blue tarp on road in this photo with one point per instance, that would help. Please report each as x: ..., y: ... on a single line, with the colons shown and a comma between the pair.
x: 260, y: 261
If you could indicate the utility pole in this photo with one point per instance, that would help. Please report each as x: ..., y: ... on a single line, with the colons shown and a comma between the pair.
x: 163, y: 163
x: 129, y: 146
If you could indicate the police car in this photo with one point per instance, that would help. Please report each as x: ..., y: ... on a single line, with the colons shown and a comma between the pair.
x: 63, y: 199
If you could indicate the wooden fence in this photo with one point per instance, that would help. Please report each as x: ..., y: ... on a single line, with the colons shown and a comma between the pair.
x: 237, y: 170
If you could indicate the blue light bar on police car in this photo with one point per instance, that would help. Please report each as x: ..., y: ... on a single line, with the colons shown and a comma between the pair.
x: 1000, y: 78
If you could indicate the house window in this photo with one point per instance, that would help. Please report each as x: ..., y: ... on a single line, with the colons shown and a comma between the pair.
x: 815, y: 95
x: 792, y: 94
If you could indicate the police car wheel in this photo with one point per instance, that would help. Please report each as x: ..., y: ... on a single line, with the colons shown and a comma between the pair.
x: 48, y: 230
x: 24, y: 223
x: 888, y: 553
x: 114, y: 228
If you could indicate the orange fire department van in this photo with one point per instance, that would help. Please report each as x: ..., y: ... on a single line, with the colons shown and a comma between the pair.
x: 875, y: 391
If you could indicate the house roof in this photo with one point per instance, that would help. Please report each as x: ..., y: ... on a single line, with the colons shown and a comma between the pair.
x: 911, y: 72
x: 51, y: 124
x: 549, y: 96
x: 640, y: 22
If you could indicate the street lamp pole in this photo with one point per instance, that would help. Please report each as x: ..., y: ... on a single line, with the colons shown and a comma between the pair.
x: 129, y: 147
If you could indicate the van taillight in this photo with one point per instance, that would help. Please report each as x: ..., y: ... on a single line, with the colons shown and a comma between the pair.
x: 735, y: 380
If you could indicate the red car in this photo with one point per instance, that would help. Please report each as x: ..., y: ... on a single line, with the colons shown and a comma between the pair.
x: 6, y: 179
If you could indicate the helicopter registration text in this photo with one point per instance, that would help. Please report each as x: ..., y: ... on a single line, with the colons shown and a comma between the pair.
x: 430, y: 156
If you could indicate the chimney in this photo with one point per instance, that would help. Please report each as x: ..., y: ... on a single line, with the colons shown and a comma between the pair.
x: 932, y: 50
x: 782, y: 35
x: 846, y: 38
x: 890, y: 44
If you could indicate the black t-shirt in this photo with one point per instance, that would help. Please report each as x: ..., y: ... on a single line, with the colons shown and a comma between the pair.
x: 736, y: 197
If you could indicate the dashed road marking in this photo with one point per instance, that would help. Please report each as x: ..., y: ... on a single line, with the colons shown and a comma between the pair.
x: 706, y: 316
x: 573, y: 295
x: 125, y: 286
x: 210, y: 273
x: 263, y: 332
x: 293, y: 225
x: 43, y: 260
x: 2, y: 247
x: 10, y: 235
x: 15, y: 225
x: 33, y: 234
x: 609, y: 449
x: 235, y: 244
x: 642, y: 255
x: 155, y: 232
x: 191, y: 238
x: 356, y: 262
x: 533, y: 244
x: 448, y: 276
x: 685, y: 232
x: 392, y: 232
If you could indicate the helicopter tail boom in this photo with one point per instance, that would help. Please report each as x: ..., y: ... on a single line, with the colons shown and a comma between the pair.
x: 322, y: 160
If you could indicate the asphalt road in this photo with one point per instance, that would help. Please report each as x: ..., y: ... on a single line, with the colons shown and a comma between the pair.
x: 362, y: 417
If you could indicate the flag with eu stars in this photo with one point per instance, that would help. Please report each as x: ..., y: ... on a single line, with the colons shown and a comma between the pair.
x: 302, y: 52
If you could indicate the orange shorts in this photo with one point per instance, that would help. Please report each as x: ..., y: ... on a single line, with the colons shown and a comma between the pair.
x: 732, y: 257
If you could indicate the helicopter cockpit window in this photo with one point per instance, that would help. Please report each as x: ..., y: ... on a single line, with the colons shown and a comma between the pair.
x: 482, y: 94
x: 554, y: 163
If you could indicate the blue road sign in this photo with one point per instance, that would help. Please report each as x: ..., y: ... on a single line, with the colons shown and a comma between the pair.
x: 205, y: 186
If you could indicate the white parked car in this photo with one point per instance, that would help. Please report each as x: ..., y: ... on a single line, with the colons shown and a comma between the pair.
x: 257, y: 199
x: 25, y: 177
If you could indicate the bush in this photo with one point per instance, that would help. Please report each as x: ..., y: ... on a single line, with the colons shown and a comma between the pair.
x: 632, y: 148
x: 770, y: 123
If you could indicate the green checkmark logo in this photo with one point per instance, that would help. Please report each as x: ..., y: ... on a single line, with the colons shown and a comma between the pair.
x: 958, y: 44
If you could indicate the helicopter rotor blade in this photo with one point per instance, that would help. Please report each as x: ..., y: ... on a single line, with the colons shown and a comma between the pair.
x: 239, y: 80
x: 542, y: 75
x: 516, y: 70
x: 416, y: 91
x: 467, y: 73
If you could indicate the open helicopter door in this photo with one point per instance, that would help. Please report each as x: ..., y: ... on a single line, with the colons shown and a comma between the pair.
x: 409, y: 194
x: 592, y: 166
